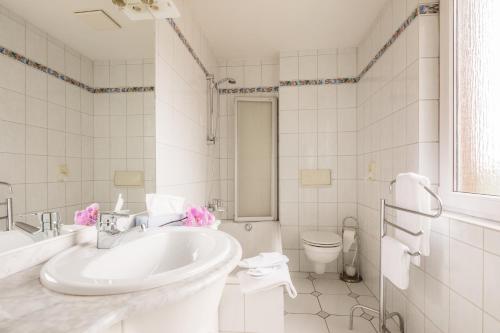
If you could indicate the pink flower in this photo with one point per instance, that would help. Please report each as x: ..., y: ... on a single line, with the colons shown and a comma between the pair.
x: 88, y: 216
x: 198, y: 217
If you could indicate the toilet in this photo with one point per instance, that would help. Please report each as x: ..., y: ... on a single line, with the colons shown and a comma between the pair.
x: 321, y: 247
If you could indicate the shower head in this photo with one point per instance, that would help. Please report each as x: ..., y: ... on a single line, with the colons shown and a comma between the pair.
x: 230, y: 80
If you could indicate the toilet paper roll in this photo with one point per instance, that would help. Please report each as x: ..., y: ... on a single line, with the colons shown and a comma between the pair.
x: 348, y: 239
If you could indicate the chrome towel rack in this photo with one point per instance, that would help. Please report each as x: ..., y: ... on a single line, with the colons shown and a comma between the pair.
x: 383, y: 223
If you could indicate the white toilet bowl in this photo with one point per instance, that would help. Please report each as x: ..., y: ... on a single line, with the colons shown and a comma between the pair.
x: 321, y: 247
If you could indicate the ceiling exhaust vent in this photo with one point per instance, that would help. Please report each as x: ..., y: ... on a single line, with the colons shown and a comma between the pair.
x: 98, y: 20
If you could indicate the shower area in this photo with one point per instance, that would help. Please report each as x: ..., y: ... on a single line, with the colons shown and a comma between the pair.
x: 243, y: 129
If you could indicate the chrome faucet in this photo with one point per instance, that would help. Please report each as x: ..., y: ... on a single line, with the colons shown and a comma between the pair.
x: 111, y: 227
x: 9, y: 217
x: 50, y: 224
x: 215, y: 206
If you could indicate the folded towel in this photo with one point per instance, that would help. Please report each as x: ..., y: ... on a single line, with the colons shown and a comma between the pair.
x: 265, y: 259
x: 411, y: 194
x: 395, y: 262
x: 279, y: 277
x: 262, y: 271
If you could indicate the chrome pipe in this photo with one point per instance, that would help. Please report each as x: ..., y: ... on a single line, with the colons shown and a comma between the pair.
x: 381, y: 299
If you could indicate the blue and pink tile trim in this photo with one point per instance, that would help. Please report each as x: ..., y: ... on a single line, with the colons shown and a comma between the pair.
x: 65, y: 78
x: 422, y: 9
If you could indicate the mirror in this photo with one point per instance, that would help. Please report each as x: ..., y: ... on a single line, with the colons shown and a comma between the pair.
x: 77, y: 118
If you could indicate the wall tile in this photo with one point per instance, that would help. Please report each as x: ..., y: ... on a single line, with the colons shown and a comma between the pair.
x: 289, y: 98
x: 289, y: 68
x: 327, y: 66
x: 437, y: 306
x: 308, y: 67
x: 466, y: 265
x: 490, y: 325
x: 466, y: 233
x: 492, y: 241
x: 438, y: 263
x: 464, y: 316
x: 491, y: 273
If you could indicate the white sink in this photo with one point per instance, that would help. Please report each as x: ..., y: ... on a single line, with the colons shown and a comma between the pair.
x: 158, y: 257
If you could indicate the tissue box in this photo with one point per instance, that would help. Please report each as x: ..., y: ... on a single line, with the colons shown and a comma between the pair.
x: 156, y: 221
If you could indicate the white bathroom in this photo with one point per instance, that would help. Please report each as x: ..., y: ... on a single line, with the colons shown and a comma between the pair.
x: 229, y: 166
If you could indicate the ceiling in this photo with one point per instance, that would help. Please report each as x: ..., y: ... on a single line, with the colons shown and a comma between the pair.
x: 134, y: 41
x: 261, y: 28
x: 234, y: 28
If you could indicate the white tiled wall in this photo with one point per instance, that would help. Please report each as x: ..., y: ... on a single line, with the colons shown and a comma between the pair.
x: 397, y: 116
x: 317, y: 130
x: 124, y: 131
x: 249, y: 73
x: 186, y: 165
x: 453, y: 290
x: 44, y: 122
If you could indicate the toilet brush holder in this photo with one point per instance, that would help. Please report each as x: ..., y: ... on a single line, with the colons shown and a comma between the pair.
x: 350, y: 268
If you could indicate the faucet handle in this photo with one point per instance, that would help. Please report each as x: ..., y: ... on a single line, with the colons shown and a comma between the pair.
x: 107, y: 222
x: 49, y: 219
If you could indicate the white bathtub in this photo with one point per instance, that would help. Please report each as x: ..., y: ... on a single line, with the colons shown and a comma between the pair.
x: 255, y: 237
x: 261, y: 312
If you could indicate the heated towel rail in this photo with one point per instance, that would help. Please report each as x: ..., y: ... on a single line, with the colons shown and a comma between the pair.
x: 383, y: 223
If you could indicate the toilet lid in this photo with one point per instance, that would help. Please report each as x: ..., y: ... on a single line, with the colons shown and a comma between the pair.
x: 321, y: 237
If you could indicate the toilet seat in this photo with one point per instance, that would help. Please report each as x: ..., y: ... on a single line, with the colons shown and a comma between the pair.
x: 323, y: 239
x: 320, y: 245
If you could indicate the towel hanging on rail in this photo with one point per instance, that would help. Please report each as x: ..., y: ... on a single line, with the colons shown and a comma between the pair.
x: 395, y: 262
x: 411, y: 194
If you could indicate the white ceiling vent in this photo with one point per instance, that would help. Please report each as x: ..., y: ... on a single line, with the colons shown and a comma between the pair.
x: 98, y: 20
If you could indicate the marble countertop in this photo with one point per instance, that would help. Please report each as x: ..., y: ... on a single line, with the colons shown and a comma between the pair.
x: 26, y: 306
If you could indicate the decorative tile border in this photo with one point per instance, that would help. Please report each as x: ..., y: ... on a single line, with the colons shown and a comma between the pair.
x: 422, y: 9
x: 431, y: 8
x: 225, y: 91
x: 188, y: 46
x: 122, y: 90
x: 28, y: 62
x: 318, y: 82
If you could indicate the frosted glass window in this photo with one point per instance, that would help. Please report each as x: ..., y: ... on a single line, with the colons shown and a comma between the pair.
x: 477, y: 96
x: 255, y: 159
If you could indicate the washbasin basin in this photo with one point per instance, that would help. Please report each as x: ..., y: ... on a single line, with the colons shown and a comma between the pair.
x: 155, y: 258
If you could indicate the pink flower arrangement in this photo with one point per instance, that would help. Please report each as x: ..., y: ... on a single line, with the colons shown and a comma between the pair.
x: 88, y: 216
x: 198, y: 217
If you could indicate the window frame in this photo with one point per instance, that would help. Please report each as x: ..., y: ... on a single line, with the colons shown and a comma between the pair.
x: 483, y: 206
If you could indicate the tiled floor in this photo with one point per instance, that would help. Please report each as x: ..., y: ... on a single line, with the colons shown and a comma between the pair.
x: 323, y: 305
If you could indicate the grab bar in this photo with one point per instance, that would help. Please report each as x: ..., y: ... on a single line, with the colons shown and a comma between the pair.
x: 420, y: 233
x: 434, y: 195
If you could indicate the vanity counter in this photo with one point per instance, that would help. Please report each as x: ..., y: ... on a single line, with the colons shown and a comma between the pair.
x: 26, y: 306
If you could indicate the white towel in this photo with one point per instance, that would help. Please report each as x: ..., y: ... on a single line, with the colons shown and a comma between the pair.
x: 265, y: 259
x: 411, y: 194
x: 395, y: 262
x: 280, y: 277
